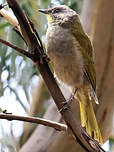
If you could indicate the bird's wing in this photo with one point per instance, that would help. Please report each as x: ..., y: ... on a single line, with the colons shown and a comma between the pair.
x: 87, y: 52
x: 89, y: 72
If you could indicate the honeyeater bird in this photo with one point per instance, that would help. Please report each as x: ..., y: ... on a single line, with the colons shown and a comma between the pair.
x: 72, y: 56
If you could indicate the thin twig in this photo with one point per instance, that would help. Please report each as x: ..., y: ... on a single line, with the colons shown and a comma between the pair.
x: 27, y: 54
x: 49, y: 123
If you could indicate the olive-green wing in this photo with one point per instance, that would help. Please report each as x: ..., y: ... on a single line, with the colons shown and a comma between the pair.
x: 87, y: 52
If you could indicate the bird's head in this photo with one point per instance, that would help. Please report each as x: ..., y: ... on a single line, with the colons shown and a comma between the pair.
x: 58, y: 14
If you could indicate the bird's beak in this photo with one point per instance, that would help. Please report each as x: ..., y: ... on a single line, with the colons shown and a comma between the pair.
x: 48, y: 14
x: 46, y: 11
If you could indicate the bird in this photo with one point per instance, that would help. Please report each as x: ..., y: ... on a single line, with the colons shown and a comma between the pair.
x: 71, y: 53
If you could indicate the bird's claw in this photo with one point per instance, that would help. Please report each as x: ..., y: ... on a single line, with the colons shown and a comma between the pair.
x: 46, y: 58
x: 68, y: 102
x: 65, y: 106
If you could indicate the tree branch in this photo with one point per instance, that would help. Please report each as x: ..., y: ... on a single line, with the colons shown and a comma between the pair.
x: 27, y: 54
x: 11, y: 19
x: 49, y: 123
x: 8, y: 17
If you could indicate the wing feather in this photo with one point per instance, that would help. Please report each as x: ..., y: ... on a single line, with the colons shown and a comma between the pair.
x: 87, y: 52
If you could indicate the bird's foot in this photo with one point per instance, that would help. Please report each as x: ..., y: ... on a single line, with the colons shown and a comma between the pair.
x: 46, y: 58
x: 68, y: 102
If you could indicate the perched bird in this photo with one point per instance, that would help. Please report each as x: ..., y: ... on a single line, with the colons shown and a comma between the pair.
x: 72, y: 56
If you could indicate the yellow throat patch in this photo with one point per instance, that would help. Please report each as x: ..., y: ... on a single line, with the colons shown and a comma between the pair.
x: 49, y: 18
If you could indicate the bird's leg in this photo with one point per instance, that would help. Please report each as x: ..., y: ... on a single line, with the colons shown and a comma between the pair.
x: 46, y: 57
x: 69, y: 101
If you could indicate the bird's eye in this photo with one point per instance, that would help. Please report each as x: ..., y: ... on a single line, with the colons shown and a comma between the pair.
x: 56, y: 10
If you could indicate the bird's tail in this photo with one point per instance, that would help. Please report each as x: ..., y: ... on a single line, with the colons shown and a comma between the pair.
x: 88, y: 119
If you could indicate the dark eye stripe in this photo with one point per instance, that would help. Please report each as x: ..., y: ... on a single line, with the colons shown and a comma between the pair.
x: 57, y: 10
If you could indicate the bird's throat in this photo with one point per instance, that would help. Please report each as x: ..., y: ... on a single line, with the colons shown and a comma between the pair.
x: 49, y: 18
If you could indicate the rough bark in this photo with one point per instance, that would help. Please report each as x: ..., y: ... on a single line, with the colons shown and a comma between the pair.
x: 98, y: 21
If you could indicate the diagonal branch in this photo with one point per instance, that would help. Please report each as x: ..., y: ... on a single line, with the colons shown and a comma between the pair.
x: 49, y: 123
